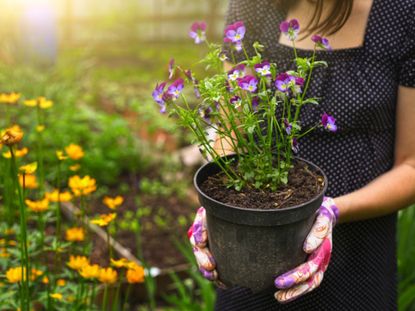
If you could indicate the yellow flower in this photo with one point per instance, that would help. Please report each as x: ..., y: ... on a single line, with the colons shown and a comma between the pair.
x: 56, y: 196
x: 75, y: 234
x: 60, y: 156
x: 11, y: 136
x: 40, y: 102
x: 74, y: 167
x: 113, y: 203
x: 9, y: 98
x: 38, y: 206
x: 121, y: 263
x: 56, y: 296
x: 104, y: 219
x: 35, y: 274
x: 77, y: 262
x: 29, y: 168
x: 14, y: 275
x: 75, y: 152
x: 17, y: 153
x: 30, y: 181
x: 30, y: 102
x: 40, y: 128
x: 61, y: 282
x: 45, y: 280
x: 4, y: 253
x: 45, y: 103
x: 107, y: 276
x: 135, y: 275
x: 9, y: 231
x: 90, y: 271
x: 82, y: 186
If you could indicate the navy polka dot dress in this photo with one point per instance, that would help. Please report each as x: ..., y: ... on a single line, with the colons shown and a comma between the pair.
x: 359, y: 88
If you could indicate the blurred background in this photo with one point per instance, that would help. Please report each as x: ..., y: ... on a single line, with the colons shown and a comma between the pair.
x: 99, y: 60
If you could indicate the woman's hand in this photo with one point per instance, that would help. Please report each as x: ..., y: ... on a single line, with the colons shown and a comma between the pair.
x: 198, y: 237
x: 318, y: 244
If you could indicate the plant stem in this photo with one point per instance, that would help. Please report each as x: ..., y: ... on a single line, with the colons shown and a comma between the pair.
x: 117, y: 297
x: 127, y: 296
x: 105, y: 298
x: 23, y: 235
x: 40, y: 152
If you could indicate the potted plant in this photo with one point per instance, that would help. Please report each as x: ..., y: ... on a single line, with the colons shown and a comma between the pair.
x: 260, y: 201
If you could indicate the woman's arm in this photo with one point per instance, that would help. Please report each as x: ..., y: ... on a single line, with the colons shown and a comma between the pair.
x: 395, y: 189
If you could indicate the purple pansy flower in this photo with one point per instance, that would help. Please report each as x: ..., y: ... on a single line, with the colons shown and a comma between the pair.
x: 235, y: 33
x: 158, y: 92
x: 189, y: 75
x: 329, y: 122
x: 263, y: 69
x: 236, y: 101
x: 238, y: 46
x: 198, y: 32
x: 171, y: 68
x: 255, y: 103
x: 206, y: 113
x: 298, y: 83
x: 236, y: 72
x: 288, y: 126
x: 248, y: 83
x: 283, y: 82
x: 294, y: 145
x: 158, y: 96
x: 321, y: 42
x: 290, y: 28
x: 175, y: 89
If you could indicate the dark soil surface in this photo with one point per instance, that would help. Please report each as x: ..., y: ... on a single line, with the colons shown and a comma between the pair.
x: 303, y: 184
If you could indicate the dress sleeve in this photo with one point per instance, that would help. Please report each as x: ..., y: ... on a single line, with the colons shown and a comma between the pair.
x: 407, y: 63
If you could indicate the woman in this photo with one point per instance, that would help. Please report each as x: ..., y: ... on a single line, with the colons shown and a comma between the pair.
x: 370, y: 88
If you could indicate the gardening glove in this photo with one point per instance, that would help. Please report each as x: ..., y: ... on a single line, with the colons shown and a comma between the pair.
x: 198, y: 237
x: 318, y: 244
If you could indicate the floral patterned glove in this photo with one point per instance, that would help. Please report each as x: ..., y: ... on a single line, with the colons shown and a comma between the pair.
x: 198, y: 237
x: 318, y: 244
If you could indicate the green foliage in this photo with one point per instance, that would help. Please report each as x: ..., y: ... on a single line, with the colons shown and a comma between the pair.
x: 406, y: 259
x: 192, y: 293
x: 260, y: 123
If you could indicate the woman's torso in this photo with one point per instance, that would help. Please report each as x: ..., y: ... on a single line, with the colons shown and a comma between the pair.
x: 359, y: 88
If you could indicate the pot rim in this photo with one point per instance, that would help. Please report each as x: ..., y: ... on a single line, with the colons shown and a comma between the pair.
x: 285, y: 209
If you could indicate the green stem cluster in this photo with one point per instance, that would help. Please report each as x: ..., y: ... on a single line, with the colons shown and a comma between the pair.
x: 24, y: 256
x: 258, y: 135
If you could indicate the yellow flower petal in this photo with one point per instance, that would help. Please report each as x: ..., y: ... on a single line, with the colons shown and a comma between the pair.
x: 29, y: 168
x: 40, y: 128
x: 56, y: 296
x: 38, y: 206
x: 9, y: 98
x: 30, y: 102
x: 82, y: 186
x: 11, y: 136
x: 60, y: 155
x: 113, y: 203
x: 75, y: 152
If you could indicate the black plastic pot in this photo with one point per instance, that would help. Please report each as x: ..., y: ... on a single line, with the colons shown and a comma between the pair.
x: 253, y: 246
